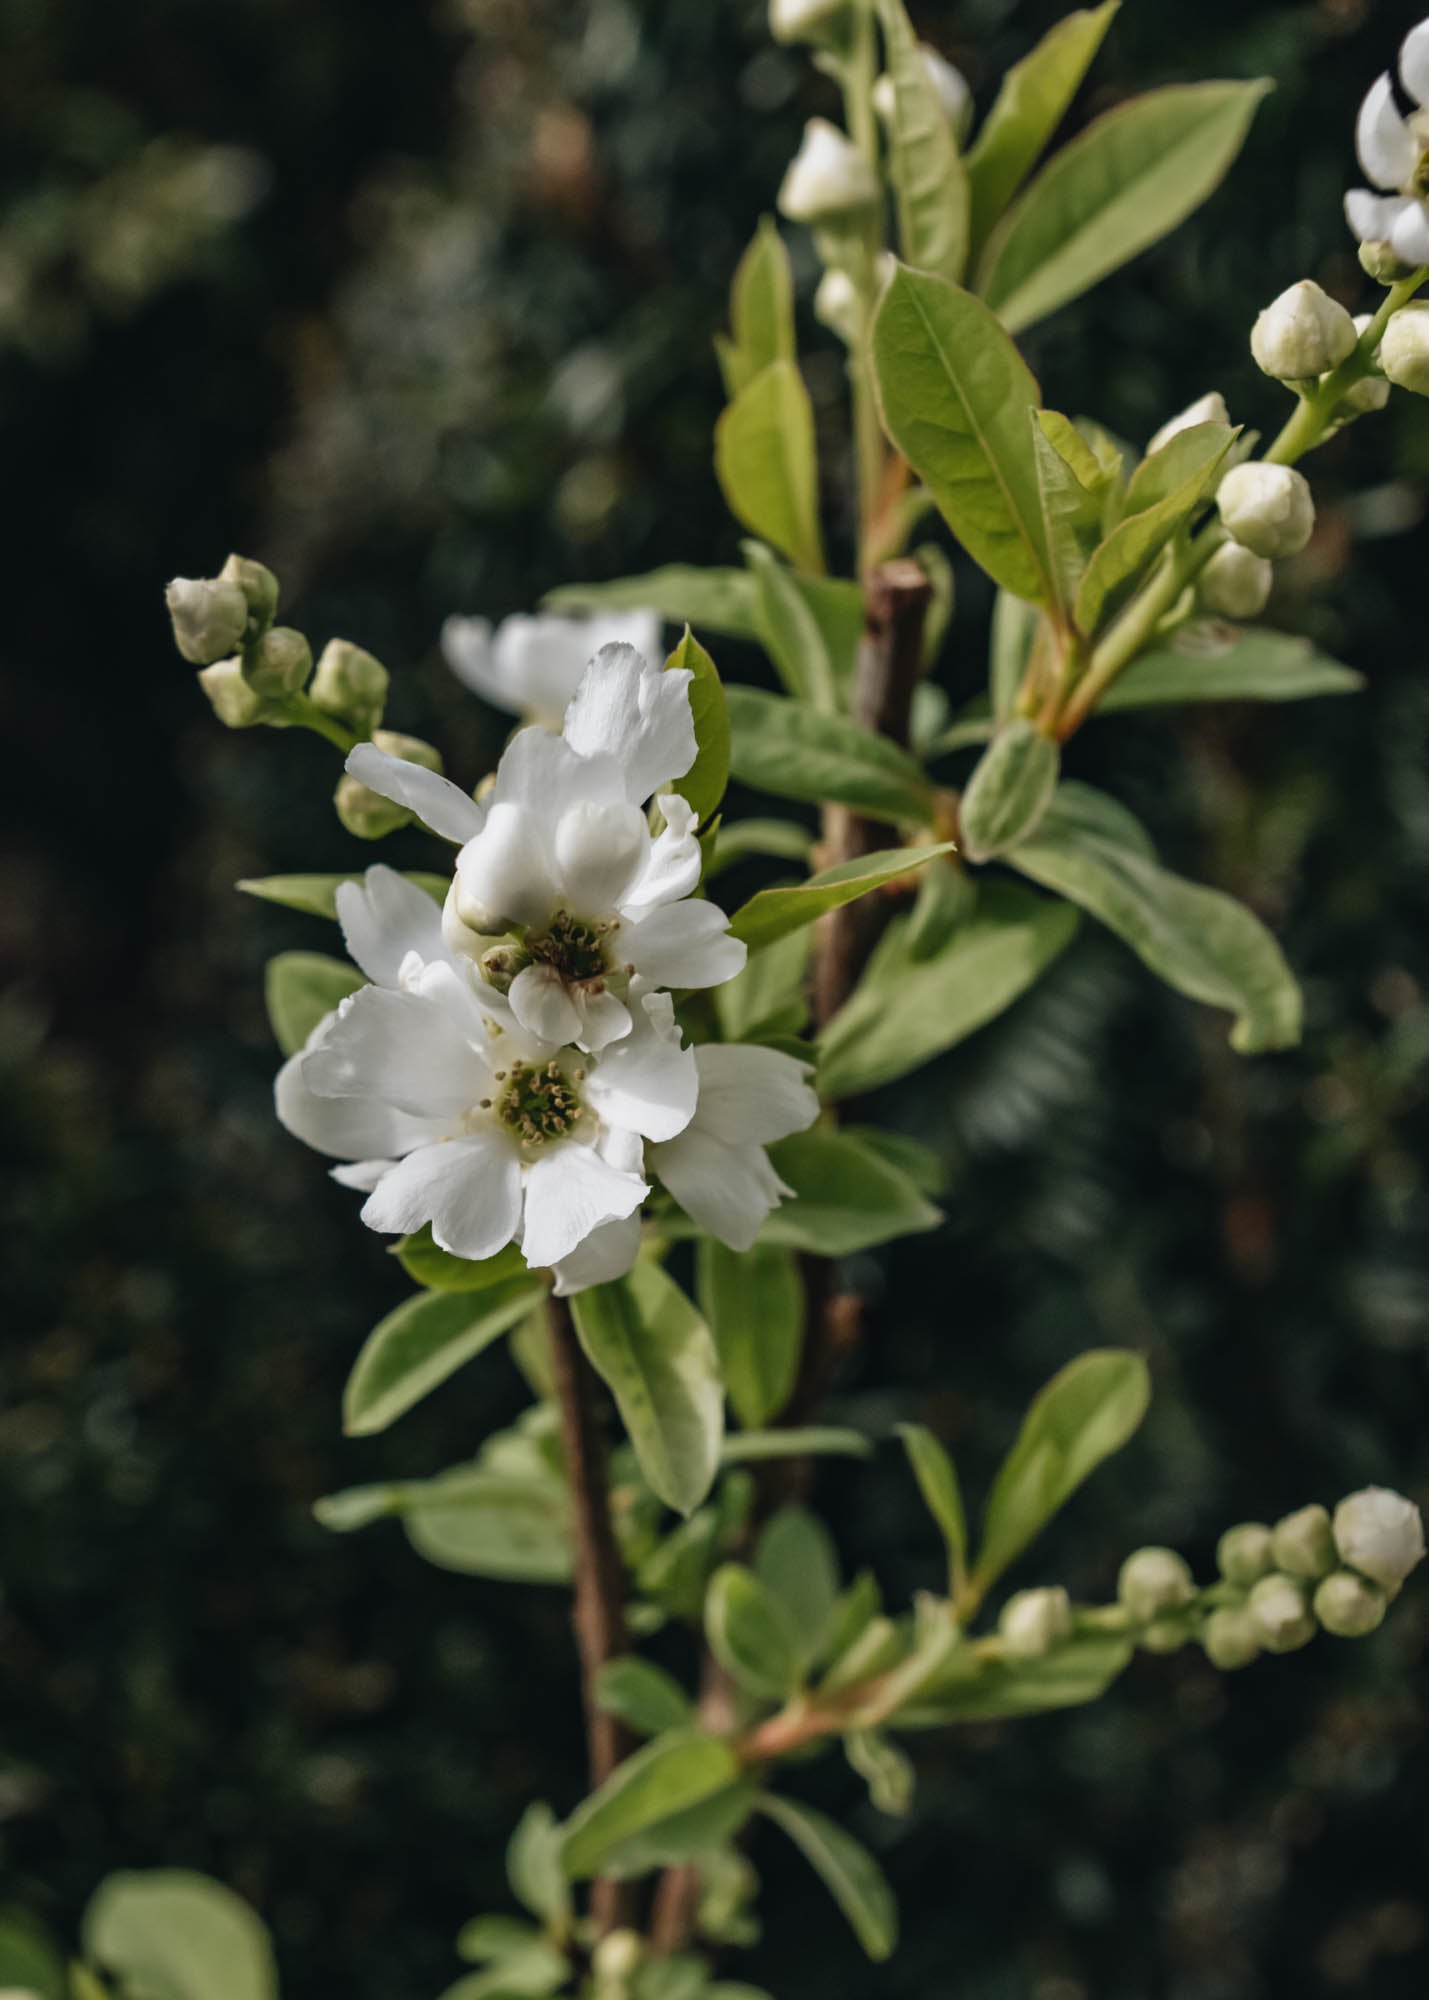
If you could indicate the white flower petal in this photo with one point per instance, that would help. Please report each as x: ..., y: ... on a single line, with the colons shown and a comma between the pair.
x: 383, y: 917
x: 606, y: 1018
x: 1414, y: 63
x: 411, y: 1051
x: 542, y: 1005
x: 362, y: 1174
x: 1382, y: 139
x: 1409, y: 238
x: 504, y: 875
x: 646, y: 1083
x: 571, y: 1190
x: 437, y: 802
x: 537, y: 768
x: 673, y: 862
x: 683, y: 944
x: 607, y: 1253
x: 345, y: 1128
x: 468, y: 1189
x: 728, y: 1190
x: 540, y: 660
x: 1372, y: 216
x: 598, y: 850
x: 751, y: 1095
x: 467, y: 650
x: 637, y: 715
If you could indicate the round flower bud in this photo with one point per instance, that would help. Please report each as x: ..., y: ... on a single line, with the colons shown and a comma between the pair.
x: 1243, y: 1553
x: 1154, y: 1580
x: 351, y: 685
x: 1267, y: 508
x: 1165, y: 1635
x: 366, y: 813
x: 827, y: 178
x: 1207, y: 409
x: 806, y: 20
x: 950, y: 87
x: 1280, y: 1613
x: 209, y: 616
x: 1378, y: 261
x: 1235, y: 582
x: 1302, y: 334
x: 1230, y: 1638
x: 617, y: 1955
x: 260, y: 591
x: 1034, y: 1621
x: 235, y: 703
x: 279, y: 663
x: 836, y: 305
x: 1348, y: 1605
x: 411, y: 749
x: 1302, y: 1543
x: 1380, y: 1534
x: 1404, y: 350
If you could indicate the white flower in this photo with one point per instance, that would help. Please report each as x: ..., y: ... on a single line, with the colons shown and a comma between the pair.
x: 1394, y: 152
x: 1267, y: 508
x: 717, y: 1168
x: 1235, y: 582
x: 950, y: 87
x: 451, y: 1114
x: 532, y: 666
x: 1207, y: 409
x: 1404, y: 350
x: 1301, y: 334
x: 1380, y: 1534
x: 827, y: 178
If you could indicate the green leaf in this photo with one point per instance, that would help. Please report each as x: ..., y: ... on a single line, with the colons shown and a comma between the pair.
x: 526, y: 1969
x: 1216, y: 662
x: 797, y: 1563
x: 533, y: 1865
x: 1014, y: 623
x: 774, y: 913
x: 972, y: 1690
x: 780, y: 838
x: 712, y: 600
x: 1071, y: 513
x: 937, y: 1479
x: 761, y: 314
x: 703, y: 784
x: 955, y: 394
x: 426, y: 1339
x: 849, y: 1872
x: 884, y: 1767
x: 655, y: 1354
x: 1198, y: 940
x: 700, y: 1830
x: 789, y: 629
x: 908, y: 1008
x: 300, y: 988
x: 1009, y: 791
x: 483, y: 1940
x: 1165, y: 490
x: 767, y: 997
x: 1086, y: 1412
x: 928, y: 176
x: 786, y: 747
x: 751, y: 1634
x: 316, y: 895
x: 846, y: 1198
x: 440, y: 1271
x: 486, y: 1524
x: 837, y: 608
x: 182, y: 1934
x: 667, y: 1777
x: 1113, y: 191
x: 753, y: 1301
x: 29, y: 1962
x: 1028, y: 109
x: 813, y: 1441
x: 766, y: 464
x: 643, y: 1695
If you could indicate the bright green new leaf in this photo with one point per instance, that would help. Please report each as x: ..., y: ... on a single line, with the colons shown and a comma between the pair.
x: 796, y: 1561
x: 533, y: 1865
x: 928, y: 176
x: 973, y: 1690
x: 426, y: 1339
x: 1215, y: 662
x: 850, y: 1873
x: 790, y: 630
x: 1086, y: 1412
x: 937, y: 1479
x: 316, y: 895
x: 813, y: 1441
x: 703, y: 784
x: 766, y: 463
x: 29, y: 1962
x: 440, y: 1271
x: 1071, y: 511
x: 761, y: 309
x: 667, y: 1777
x: 643, y: 1695
x: 1009, y: 791
x: 180, y: 1934
x: 1117, y: 188
x: 1198, y: 940
x: 712, y: 600
x: 1164, y: 492
x: 774, y: 913
x: 955, y: 394
x: 846, y: 1196
x: 300, y: 988
x: 753, y: 1301
x: 751, y: 1634
x: 886, y: 1769
x: 786, y: 747
x: 655, y: 1354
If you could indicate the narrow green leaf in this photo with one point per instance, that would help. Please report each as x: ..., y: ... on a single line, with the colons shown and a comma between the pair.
x: 761, y: 303
x: 796, y: 1561
x: 694, y: 1834
x: 1216, y: 662
x: 316, y: 895
x: 426, y: 1339
x: 937, y: 1479
x: 483, y: 1940
x: 751, y: 1634
x: 703, y: 784
x: 789, y: 630
x: 1009, y: 791
x: 846, y: 1197
x: 440, y: 1271
x: 786, y: 747
x: 837, y: 608
x: 1086, y: 1412
x: 1163, y: 494
x: 667, y: 1777
x: 181, y: 1934
x: 886, y: 1769
x: 527, y: 1971
x: 812, y: 1441
x: 779, y: 838
x: 1116, y: 189
x: 712, y: 600
x: 533, y: 1865
x: 1071, y: 514
x: 766, y: 463
x: 973, y: 1690
x: 849, y: 1872
x: 753, y: 1301
x: 300, y: 988
x: 928, y: 176
x: 1014, y: 622
x: 855, y: 1611
x: 774, y: 913
x: 655, y: 1354
x: 643, y: 1695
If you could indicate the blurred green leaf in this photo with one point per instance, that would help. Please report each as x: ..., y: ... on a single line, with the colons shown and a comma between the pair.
x: 29, y: 1962
x: 937, y: 1479
x: 667, y: 1777
x: 761, y: 310
x: 799, y: 1441
x: 779, y: 838
x: 774, y: 913
x: 886, y: 1769
x: 316, y: 895
x: 766, y: 463
x: 790, y: 631
x: 1227, y: 663
x: 753, y: 1301
x: 928, y: 176
x: 784, y: 746
x: 1009, y: 791
x: 181, y: 1934
x: 846, y: 1196
x: 751, y: 1634
x: 713, y: 600
x: 643, y: 1695
x: 533, y: 1865
x: 703, y: 784
x: 300, y: 988
x: 796, y: 1561
x: 849, y: 1872
x: 423, y: 1341
x: 1080, y: 1670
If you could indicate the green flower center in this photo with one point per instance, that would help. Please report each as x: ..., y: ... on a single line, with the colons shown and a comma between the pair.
x: 572, y: 947
x: 538, y: 1103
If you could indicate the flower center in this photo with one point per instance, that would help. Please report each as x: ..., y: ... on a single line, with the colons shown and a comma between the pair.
x: 572, y: 947
x: 539, y: 1102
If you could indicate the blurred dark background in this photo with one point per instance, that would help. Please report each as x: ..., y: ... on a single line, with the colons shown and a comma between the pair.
x: 414, y: 302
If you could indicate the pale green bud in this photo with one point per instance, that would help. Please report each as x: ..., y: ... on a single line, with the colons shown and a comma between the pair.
x: 365, y: 812
x: 260, y: 591
x: 828, y: 178
x: 351, y: 685
x: 1235, y: 582
x: 235, y: 703
x: 1207, y: 409
x: 1267, y: 508
x: 1154, y: 1580
x: 1243, y: 1553
x: 1404, y: 350
x: 1279, y: 1610
x: 1230, y: 1638
x: 278, y: 664
x: 1349, y: 1605
x: 836, y: 305
x: 617, y: 1955
x: 1303, y: 1545
x: 1164, y: 1635
x: 209, y: 615
x: 1380, y: 1534
x: 410, y: 748
x: 1302, y: 334
x: 1378, y: 261
x: 817, y: 21
x: 1034, y: 1621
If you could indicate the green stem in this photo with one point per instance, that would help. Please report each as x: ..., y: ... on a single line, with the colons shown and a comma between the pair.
x: 305, y: 714
x: 859, y: 74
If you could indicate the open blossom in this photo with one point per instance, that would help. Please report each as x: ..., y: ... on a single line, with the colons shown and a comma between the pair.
x: 1394, y: 152
x: 562, y: 894
x: 532, y: 666
x: 716, y: 1166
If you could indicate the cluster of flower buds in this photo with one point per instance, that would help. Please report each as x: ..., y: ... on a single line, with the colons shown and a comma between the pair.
x: 1302, y: 337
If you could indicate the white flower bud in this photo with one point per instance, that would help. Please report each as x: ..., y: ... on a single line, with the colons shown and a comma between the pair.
x: 367, y: 813
x: 1267, y: 508
x: 1380, y: 1534
x: 836, y: 305
x: 805, y: 20
x: 827, y: 178
x: 279, y: 663
x: 350, y: 684
x: 1404, y: 350
x: 1280, y: 1613
x: 1302, y: 334
x: 1348, y: 1605
x: 1153, y: 1580
x: 1165, y: 1635
x: 1230, y: 1638
x: 1235, y: 582
x: 260, y: 591
x: 1034, y: 1621
x: 209, y: 616
x: 1303, y: 1545
x: 617, y: 1955
x: 235, y: 703
x: 950, y: 87
x: 1207, y: 409
x: 1243, y: 1553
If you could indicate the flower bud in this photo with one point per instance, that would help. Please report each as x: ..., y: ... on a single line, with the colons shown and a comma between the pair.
x: 1302, y: 334
x: 806, y: 20
x: 278, y: 664
x: 1404, y: 350
x: 235, y: 703
x: 1303, y: 1545
x: 1235, y: 582
x: 1154, y: 1580
x: 351, y: 685
x: 260, y: 591
x: 1034, y: 1621
x: 366, y: 813
x: 1348, y: 1605
x: 1267, y: 508
x: 1378, y: 261
x: 1280, y: 1614
x: 836, y: 305
x: 1380, y: 1534
x: 1164, y: 1635
x: 828, y: 177
x: 209, y: 616
x: 1207, y: 409
x: 1230, y: 1638
x: 950, y: 87
x: 617, y: 1955
x: 1243, y: 1553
